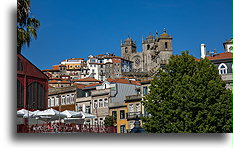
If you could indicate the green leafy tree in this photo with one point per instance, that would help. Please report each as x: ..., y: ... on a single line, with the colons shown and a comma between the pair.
x: 27, y: 26
x: 189, y: 97
x: 109, y: 121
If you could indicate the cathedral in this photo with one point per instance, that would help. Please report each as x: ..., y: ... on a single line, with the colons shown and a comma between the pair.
x: 156, y: 51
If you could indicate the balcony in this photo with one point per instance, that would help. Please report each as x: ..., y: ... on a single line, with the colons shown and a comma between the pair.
x: 133, y: 98
x: 133, y: 115
x: 100, y: 92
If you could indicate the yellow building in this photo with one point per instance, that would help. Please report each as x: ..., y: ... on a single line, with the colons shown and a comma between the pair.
x: 119, y: 115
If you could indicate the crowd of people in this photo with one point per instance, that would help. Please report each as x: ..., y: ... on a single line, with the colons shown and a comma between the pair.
x: 63, y: 127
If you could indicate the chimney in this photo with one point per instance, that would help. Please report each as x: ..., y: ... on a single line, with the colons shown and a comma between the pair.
x: 203, y: 51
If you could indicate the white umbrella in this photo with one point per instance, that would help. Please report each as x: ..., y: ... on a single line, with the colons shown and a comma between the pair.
x: 86, y: 115
x: 31, y: 114
x: 22, y: 112
x: 49, y: 115
x: 71, y: 114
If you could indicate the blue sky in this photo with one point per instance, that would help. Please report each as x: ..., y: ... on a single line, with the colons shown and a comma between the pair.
x: 78, y: 28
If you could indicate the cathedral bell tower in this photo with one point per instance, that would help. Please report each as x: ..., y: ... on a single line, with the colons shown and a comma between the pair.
x: 165, y: 42
x: 128, y: 48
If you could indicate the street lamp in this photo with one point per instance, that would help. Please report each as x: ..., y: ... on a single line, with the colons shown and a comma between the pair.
x: 137, y: 127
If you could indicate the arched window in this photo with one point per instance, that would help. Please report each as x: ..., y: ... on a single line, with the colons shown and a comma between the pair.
x: 222, y: 68
x: 126, y: 49
x: 165, y: 45
x: 148, y: 47
x: 20, y: 95
x: 36, y: 96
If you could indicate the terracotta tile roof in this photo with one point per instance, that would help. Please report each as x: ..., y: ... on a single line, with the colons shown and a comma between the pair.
x: 55, y: 67
x: 79, y: 85
x: 46, y: 70
x: 91, y: 85
x: 124, y: 81
x: 196, y: 59
x: 89, y: 79
x: 65, y: 82
x: 226, y: 55
x: 53, y: 81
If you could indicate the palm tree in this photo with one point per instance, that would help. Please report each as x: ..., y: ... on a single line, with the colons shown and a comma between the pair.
x: 27, y: 26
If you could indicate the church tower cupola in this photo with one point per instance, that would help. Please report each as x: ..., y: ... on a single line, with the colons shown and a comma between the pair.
x: 128, y: 47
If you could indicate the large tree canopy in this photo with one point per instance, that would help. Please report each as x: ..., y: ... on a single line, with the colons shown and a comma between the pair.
x: 26, y: 25
x: 188, y: 97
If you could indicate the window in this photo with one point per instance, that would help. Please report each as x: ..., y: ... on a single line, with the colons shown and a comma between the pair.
x: 131, y: 124
x: 100, y: 102
x: 122, y: 114
x: 63, y: 100
x: 72, y: 99
x: 138, y: 108
x: 93, y: 70
x: 122, y: 129
x: 126, y: 49
x: 101, y: 121
x: 49, y: 102
x: 222, y: 68
x: 165, y: 45
x: 106, y: 102
x: 88, y: 109
x: 145, y: 90
x: 20, y: 94
x: 67, y: 99
x: 57, y: 101
x: 114, y: 115
x: 95, y: 104
x: 52, y: 102
x: 130, y: 107
x: 96, y: 122
x: 94, y: 65
x: 36, y: 95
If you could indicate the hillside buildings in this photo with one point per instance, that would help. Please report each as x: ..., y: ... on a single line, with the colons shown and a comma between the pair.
x: 222, y: 61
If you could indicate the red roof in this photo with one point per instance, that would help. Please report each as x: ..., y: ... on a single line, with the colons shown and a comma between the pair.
x: 55, y: 67
x: 226, y: 55
x: 53, y: 81
x: 196, y: 59
x: 65, y: 82
x: 89, y: 79
x: 79, y: 85
x: 93, y: 84
x: 124, y: 81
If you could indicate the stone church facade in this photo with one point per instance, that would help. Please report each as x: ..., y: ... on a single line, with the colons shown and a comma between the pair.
x: 155, y: 51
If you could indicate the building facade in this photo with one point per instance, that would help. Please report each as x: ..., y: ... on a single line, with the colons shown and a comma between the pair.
x: 222, y: 61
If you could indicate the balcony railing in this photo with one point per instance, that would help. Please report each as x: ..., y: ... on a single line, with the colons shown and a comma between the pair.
x: 133, y: 97
x: 134, y: 115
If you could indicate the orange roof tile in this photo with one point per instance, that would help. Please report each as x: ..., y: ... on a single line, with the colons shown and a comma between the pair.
x: 196, y: 59
x: 53, y: 81
x: 65, y: 82
x: 226, y: 55
x: 55, y: 67
x: 124, y: 81
x: 79, y: 85
x: 93, y: 84
x: 89, y: 79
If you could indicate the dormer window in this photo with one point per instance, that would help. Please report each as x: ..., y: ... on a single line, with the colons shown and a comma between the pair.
x: 222, y: 68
